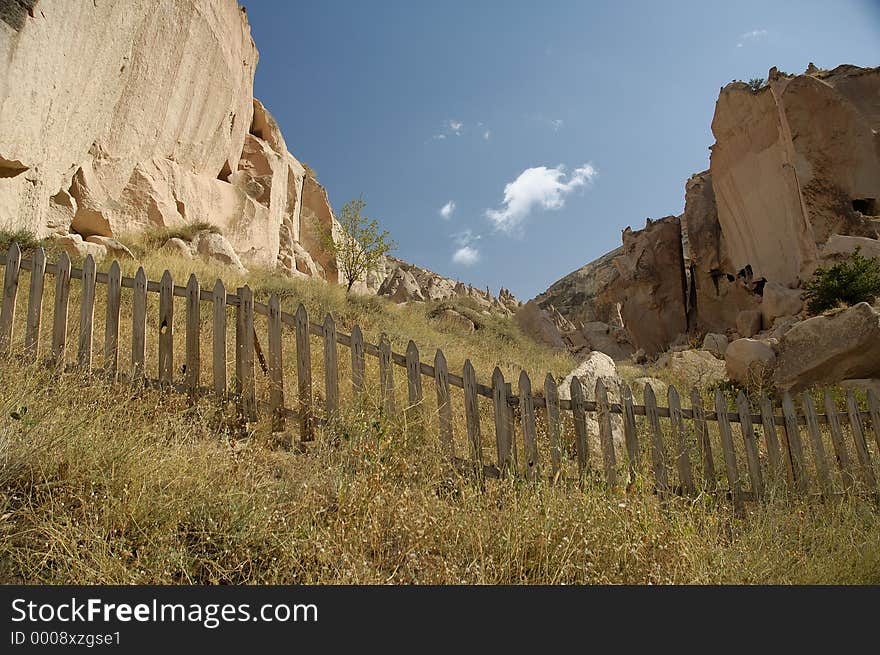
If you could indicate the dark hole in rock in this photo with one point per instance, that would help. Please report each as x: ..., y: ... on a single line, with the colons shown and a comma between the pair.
x: 866, y: 206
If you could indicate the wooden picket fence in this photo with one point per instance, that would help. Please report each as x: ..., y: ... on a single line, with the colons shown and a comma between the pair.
x: 681, y: 454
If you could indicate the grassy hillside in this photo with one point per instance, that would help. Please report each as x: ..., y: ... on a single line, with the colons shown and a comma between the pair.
x: 108, y: 484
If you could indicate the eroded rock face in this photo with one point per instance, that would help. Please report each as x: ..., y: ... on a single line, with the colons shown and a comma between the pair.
x: 827, y: 349
x: 538, y: 325
x: 651, y: 286
x: 749, y: 360
x: 119, y: 115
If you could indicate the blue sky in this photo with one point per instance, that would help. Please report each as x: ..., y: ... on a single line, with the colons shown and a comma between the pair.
x: 544, y: 129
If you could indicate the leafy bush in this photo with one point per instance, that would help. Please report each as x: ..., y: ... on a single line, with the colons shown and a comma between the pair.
x: 25, y: 239
x: 849, y: 282
x: 756, y: 83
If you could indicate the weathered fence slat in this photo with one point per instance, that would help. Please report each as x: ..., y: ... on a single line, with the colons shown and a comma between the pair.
x: 502, y: 421
x: 331, y: 367
x: 727, y: 449
x: 35, y: 305
x: 386, y: 375
x: 276, y: 364
x: 580, y: 425
x: 751, y: 446
x: 702, y: 431
x: 630, y: 433
x: 840, y: 451
x: 551, y: 397
x: 111, y: 321
x: 682, y: 460
x: 858, y: 433
x: 62, y: 304
x: 358, y: 364
x: 304, y: 374
x: 218, y: 336
x: 530, y: 433
x: 793, y: 450
x: 444, y: 405
x: 816, y: 443
x: 87, y: 314
x: 166, y: 329
x: 245, y: 359
x: 768, y: 422
x: 658, y: 456
x: 472, y: 414
x: 139, y: 327
x: 413, y: 379
x: 874, y: 409
x: 606, y: 437
x: 10, y: 293
x: 193, y: 336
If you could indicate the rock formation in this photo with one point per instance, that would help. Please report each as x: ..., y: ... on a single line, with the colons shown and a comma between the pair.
x: 119, y: 115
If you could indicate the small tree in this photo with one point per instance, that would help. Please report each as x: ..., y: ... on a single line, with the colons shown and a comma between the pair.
x: 756, y: 83
x: 361, y: 245
x: 849, y: 282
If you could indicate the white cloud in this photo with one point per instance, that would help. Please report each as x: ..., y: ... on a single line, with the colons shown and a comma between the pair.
x: 537, y: 187
x: 753, y: 35
x: 487, y: 134
x: 466, y: 256
x: 455, y: 127
x: 447, y: 209
x: 557, y: 124
x: 450, y: 128
x: 439, y: 136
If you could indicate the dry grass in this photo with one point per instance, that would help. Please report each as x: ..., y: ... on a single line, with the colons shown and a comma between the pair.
x: 104, y: 485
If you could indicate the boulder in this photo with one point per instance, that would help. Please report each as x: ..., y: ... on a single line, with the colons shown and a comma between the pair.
x: 177, y: 248
x: 538, y: 324
x: 748, y: 322
x: 715, y: 343
x: 826, y: 349
x: 213, y: 246
x: 659, y: 387
x: 839, y: 246
x: 749, y: 360
x: 458, y: 321
x: 74, y: 245
x: 62, y: 209
x: 779, y: 301
x: 692, y: 367
x: 597, y: 366
x: 115, y: 249
x: 401, y: 287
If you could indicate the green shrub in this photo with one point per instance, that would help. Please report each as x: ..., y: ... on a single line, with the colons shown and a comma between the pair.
x: 25, y: 239
x: 850, y: 281
x: 756, y: 83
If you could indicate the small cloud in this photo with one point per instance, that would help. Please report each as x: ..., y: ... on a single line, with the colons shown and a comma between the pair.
x: 557, y: 124
x: 753, y: 35
x: 540, y: 187
x: 439, y: 136
x: 447, y: 209
x: 487, y: 135
x: 450, y: 128
x: 465, y: 237
x: 466, y: 256
x: 455, y: 127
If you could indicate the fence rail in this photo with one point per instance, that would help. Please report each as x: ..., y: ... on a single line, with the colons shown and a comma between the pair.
x: 681, y: 455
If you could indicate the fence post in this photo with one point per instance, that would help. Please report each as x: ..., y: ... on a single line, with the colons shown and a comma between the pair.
x: 166, y: 329
x: 840, y: 451
x: 658, y: 455
x: 530, y: 434
x: 245, y: 348
x: 580, y: 426
x: 331, y: 368
x: 793, y: 451
x: 193, y: 336
x: 702, y: 430
x: 472, y: 415
x: 606, y: 436
x: 444, y: 407
x: 631, y: 435
x: 87, y: 314
x: 816, y: 443
x: 218, y: 366
x: 304, y: 373
x: 386, y: 378
x: 139, y: 327
x: 502, y: 418
x: 727, y: 448
x: 862, y: 452
x: 10, y: 292
x: 751, y: 447
x: 276, y: 365
x: 62, y: 302
x: 682, y: 460
x: 551, y: 397
x: 768, y: 421
x: 111, y: 321
x: 413, y: 374
x: 358, y: 367
x: 35, y: 305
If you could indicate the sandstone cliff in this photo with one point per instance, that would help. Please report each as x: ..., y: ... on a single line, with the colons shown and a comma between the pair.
x: 116, y: 115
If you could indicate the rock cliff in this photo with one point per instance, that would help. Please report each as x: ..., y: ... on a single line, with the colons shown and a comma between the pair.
x: 116, y: 115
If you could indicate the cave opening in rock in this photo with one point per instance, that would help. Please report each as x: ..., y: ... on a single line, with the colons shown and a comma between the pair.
x: 865, y: 206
